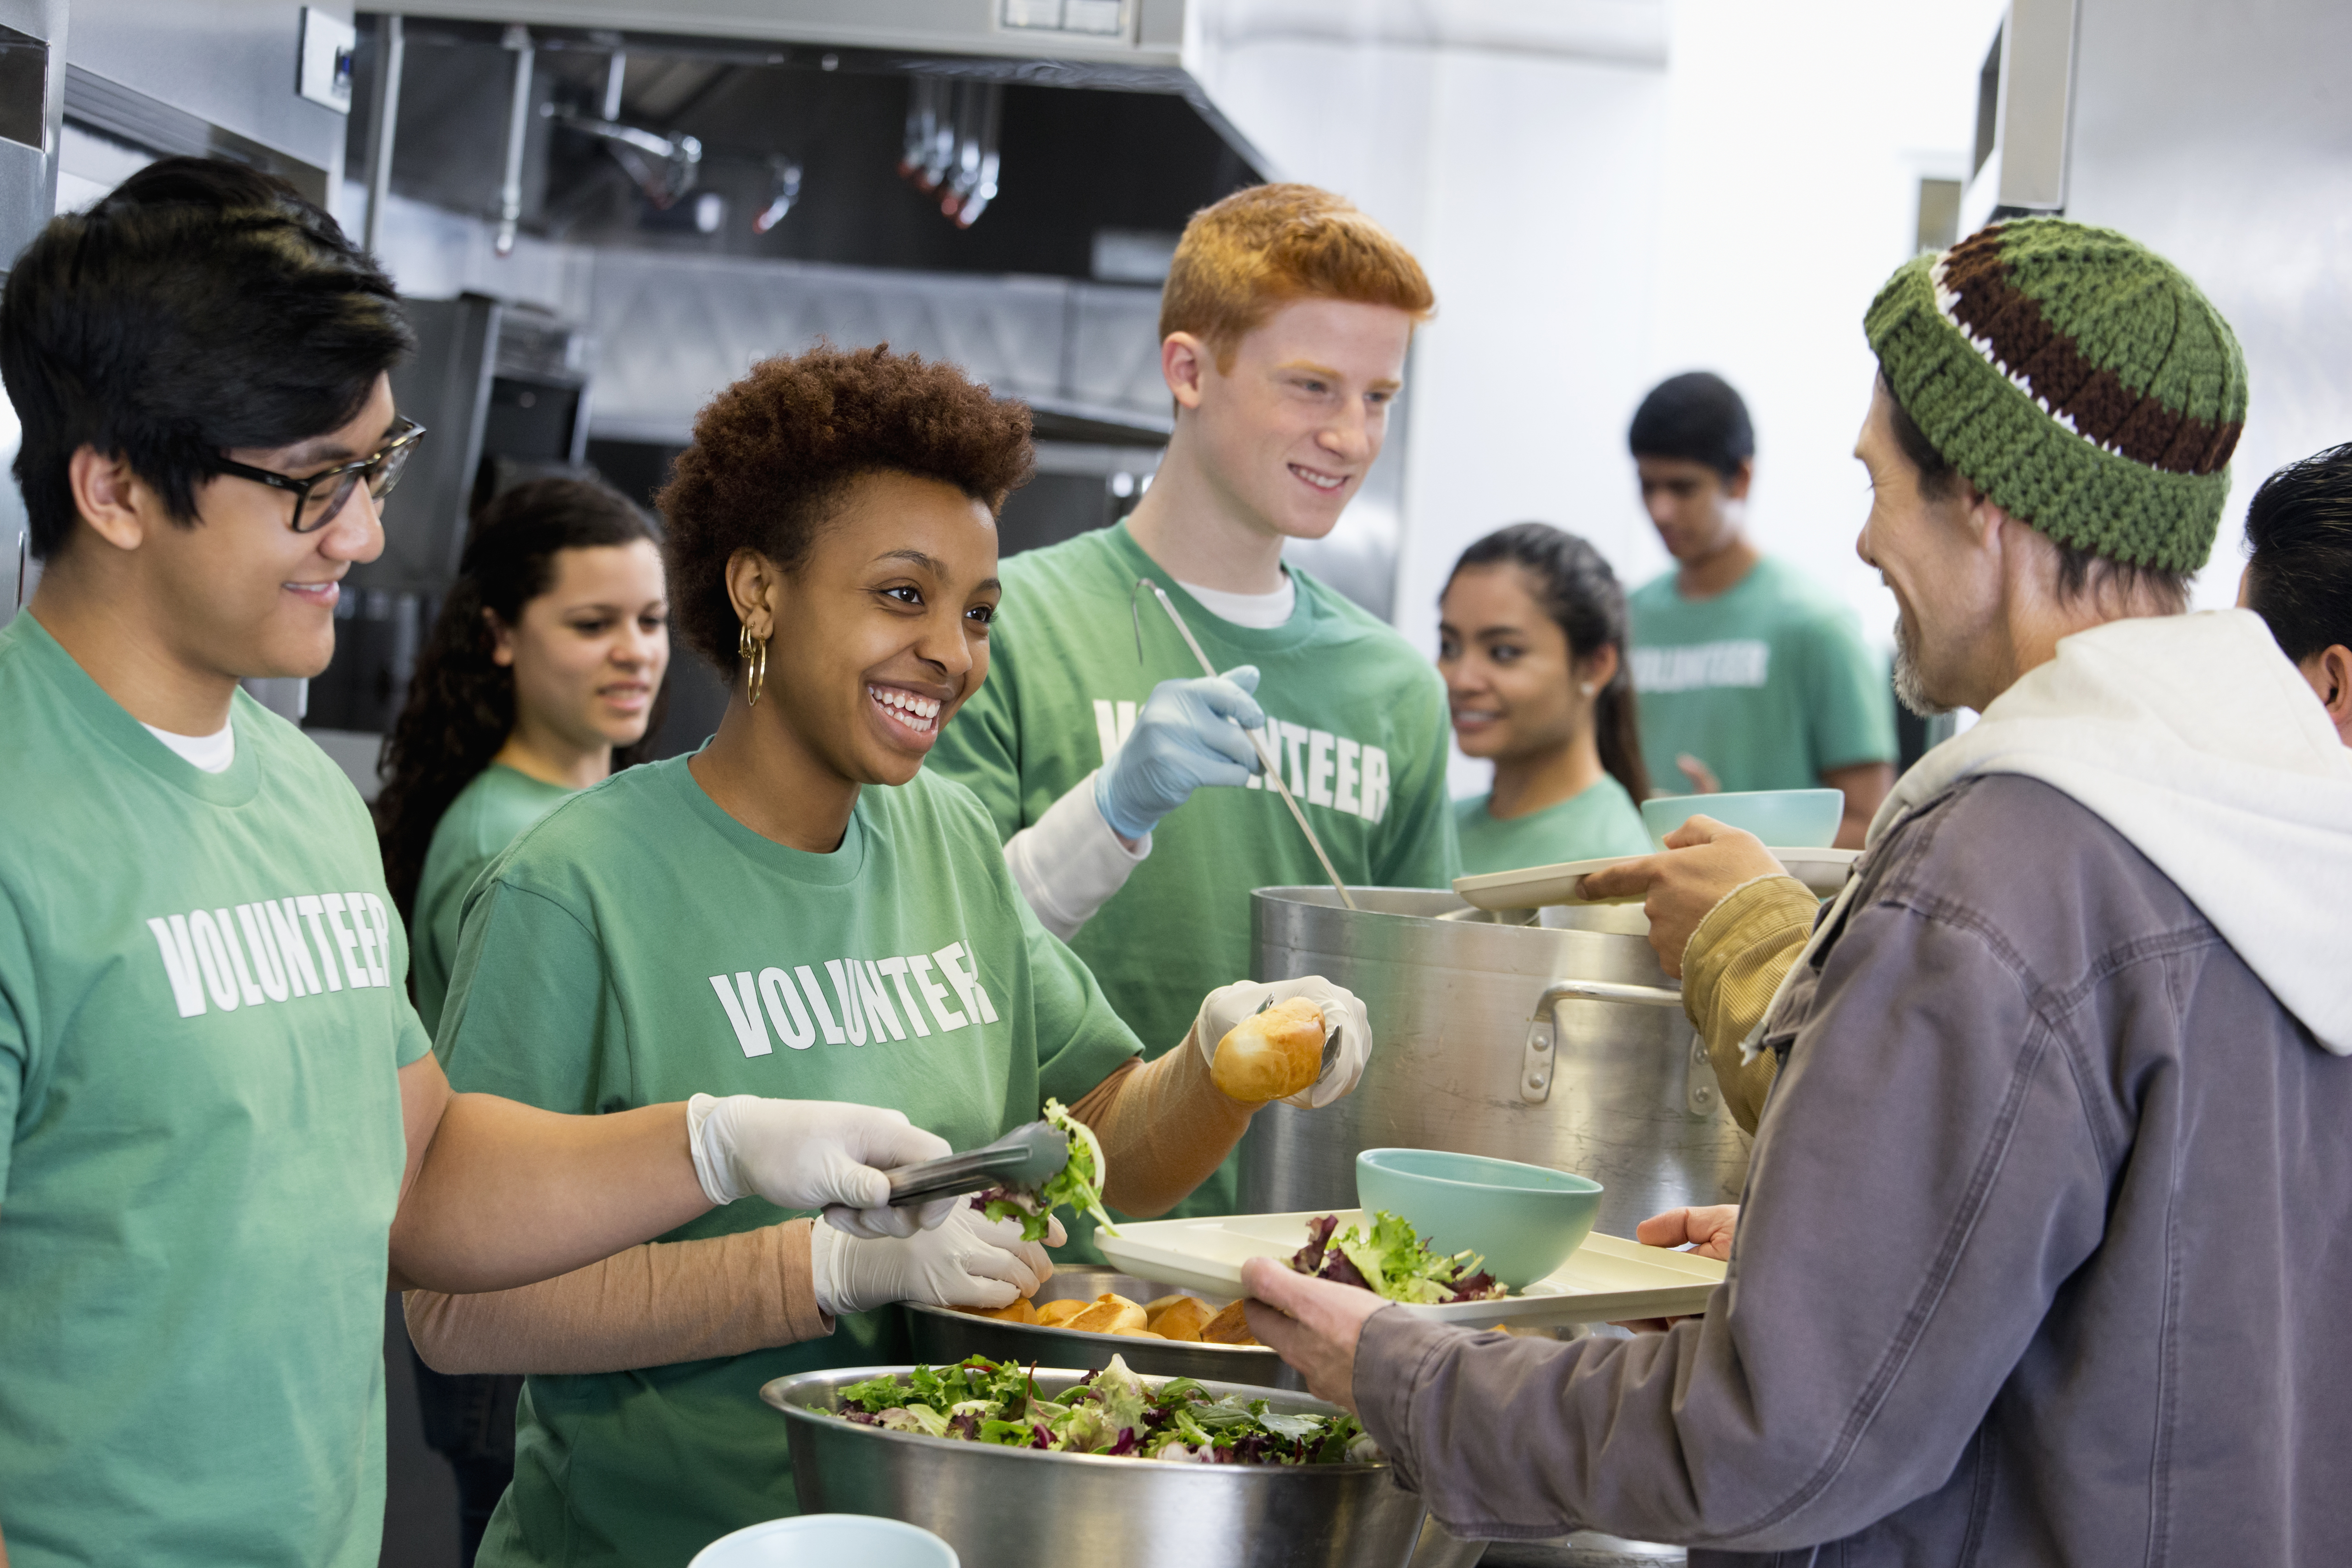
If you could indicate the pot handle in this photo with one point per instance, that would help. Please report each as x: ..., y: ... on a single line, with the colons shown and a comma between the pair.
x: 1537, y: 1060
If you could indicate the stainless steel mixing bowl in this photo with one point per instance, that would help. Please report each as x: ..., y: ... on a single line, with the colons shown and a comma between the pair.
x: 1022, y: 1508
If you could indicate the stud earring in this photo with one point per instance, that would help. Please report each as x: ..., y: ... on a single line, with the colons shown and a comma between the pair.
x: 1588, y: 687
x: 754, y: 652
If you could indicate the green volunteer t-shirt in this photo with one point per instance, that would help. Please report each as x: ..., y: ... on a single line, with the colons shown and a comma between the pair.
x: 1597, y: 821
x: 486, y: 816
x: 1363, y: 725
x: 201, y: 1020
x: 1768, y: 683
x: 639, y: 945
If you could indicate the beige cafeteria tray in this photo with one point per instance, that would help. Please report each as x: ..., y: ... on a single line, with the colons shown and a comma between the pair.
x: 1823, y: 870
x: 1605, y: 1280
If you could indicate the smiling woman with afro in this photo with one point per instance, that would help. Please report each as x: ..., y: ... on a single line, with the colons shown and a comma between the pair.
x: 800, y: 921
x: 773, y: 453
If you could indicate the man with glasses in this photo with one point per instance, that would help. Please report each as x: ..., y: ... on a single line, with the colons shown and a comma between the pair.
x: 222, y: 1112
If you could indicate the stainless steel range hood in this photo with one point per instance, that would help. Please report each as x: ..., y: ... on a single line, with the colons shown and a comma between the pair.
x: 1140, y: 33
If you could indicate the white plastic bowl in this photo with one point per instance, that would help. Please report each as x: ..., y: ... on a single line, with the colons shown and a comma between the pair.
x: 827, y: 1539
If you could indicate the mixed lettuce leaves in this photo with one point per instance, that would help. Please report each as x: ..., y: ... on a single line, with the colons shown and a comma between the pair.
x: 1392, y: 1261
x: 1076, y: 1185
x: 1112, y: 1412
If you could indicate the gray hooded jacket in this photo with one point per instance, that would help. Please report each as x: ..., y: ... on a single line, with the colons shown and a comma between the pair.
x: 2046, y: 1257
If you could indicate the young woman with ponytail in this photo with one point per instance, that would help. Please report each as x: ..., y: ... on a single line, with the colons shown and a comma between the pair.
x: 541, y: 678
x: 1532, y: 647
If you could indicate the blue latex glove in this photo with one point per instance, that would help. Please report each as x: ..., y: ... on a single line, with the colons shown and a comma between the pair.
x: 1188, y: 735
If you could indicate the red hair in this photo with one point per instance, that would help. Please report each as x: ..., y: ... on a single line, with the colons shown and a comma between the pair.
x: 1264, y: 246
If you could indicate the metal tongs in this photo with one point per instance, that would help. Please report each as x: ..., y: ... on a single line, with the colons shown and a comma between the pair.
x: 1266, y: 753
x: 1028, y: 1156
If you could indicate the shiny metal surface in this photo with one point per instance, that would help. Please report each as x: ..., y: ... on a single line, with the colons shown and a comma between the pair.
x: 1018, y: 1508
x: 942, y: 1335
x: 1483, y: 1045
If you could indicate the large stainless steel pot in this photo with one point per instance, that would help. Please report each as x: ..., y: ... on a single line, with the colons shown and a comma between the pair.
x: 1020, y: 1508
x: 1563, y: 1045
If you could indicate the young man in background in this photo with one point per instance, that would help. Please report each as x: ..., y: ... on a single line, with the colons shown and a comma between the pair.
x: 1285, y: 324
x: 1750, y: 676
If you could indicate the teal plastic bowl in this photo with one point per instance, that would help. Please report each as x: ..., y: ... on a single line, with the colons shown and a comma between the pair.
x: 1783, y: 818
x: 1524, y: 1220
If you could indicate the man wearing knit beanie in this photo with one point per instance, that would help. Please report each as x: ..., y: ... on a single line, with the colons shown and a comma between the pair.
x: 2044, y: 1254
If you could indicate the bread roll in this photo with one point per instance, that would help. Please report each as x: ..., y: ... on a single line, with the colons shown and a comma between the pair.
x: 1159, y: 1304
x: 1183, y: 1321
x: 1271, y: 1054
x: 1230, y: 1326
x: 1023, y: 1310
x: 1108, y: 1314
x: 1053, y: 1314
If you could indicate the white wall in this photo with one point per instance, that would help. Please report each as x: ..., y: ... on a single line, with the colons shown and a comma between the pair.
x: 2219, y: 136
x: 1594, y: 219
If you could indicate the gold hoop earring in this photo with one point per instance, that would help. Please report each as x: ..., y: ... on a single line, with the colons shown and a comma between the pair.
x: 754, y: 652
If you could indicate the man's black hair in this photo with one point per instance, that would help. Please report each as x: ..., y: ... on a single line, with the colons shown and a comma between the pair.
x: 1698, y: 417
x: 2299, y: 554
x: 201, y: 305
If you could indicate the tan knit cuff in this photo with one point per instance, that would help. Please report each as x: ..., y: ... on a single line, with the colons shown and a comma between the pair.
x: 1164, y: 1127
x: 1731, y: 967
x: 653, y: 1305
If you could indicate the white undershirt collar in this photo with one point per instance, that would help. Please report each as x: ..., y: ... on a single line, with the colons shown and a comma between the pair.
x: 1258, y: 612
x: 211, y: 753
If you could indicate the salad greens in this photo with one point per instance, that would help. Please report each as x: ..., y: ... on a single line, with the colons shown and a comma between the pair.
x: 1392, y: 1261
x: 1111, y: 1412
x: 1076, y: 1185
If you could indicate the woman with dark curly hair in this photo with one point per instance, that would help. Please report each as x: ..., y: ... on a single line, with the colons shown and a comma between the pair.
x: 541, y: 678
x: 801, y: 881
x: 542, y: 675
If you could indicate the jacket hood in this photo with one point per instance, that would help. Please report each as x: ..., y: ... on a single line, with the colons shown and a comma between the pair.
x: 2194, y: 738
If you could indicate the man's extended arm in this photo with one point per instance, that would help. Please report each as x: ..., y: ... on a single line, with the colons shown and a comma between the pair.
x: 1728, y: 922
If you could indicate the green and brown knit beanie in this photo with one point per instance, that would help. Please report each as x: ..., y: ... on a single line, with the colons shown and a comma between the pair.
x: 2077, y: 378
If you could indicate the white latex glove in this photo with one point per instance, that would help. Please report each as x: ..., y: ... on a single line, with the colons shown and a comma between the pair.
x: 812, y: 1153
x: 970, y: 1261
x: 1229, y: 1005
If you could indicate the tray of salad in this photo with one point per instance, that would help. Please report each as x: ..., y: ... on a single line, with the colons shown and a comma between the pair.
x: 1605, y: 1280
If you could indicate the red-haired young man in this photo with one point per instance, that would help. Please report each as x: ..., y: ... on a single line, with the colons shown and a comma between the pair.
x: 1284, y: 328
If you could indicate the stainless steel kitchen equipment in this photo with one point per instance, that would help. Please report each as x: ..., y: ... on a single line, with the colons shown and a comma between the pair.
x: 1558, y: 1044
x: 941, y: 1335
x: 1022, y: 1508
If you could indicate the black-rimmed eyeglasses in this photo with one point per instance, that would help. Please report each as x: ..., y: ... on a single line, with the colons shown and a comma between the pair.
x: 318, y: 498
